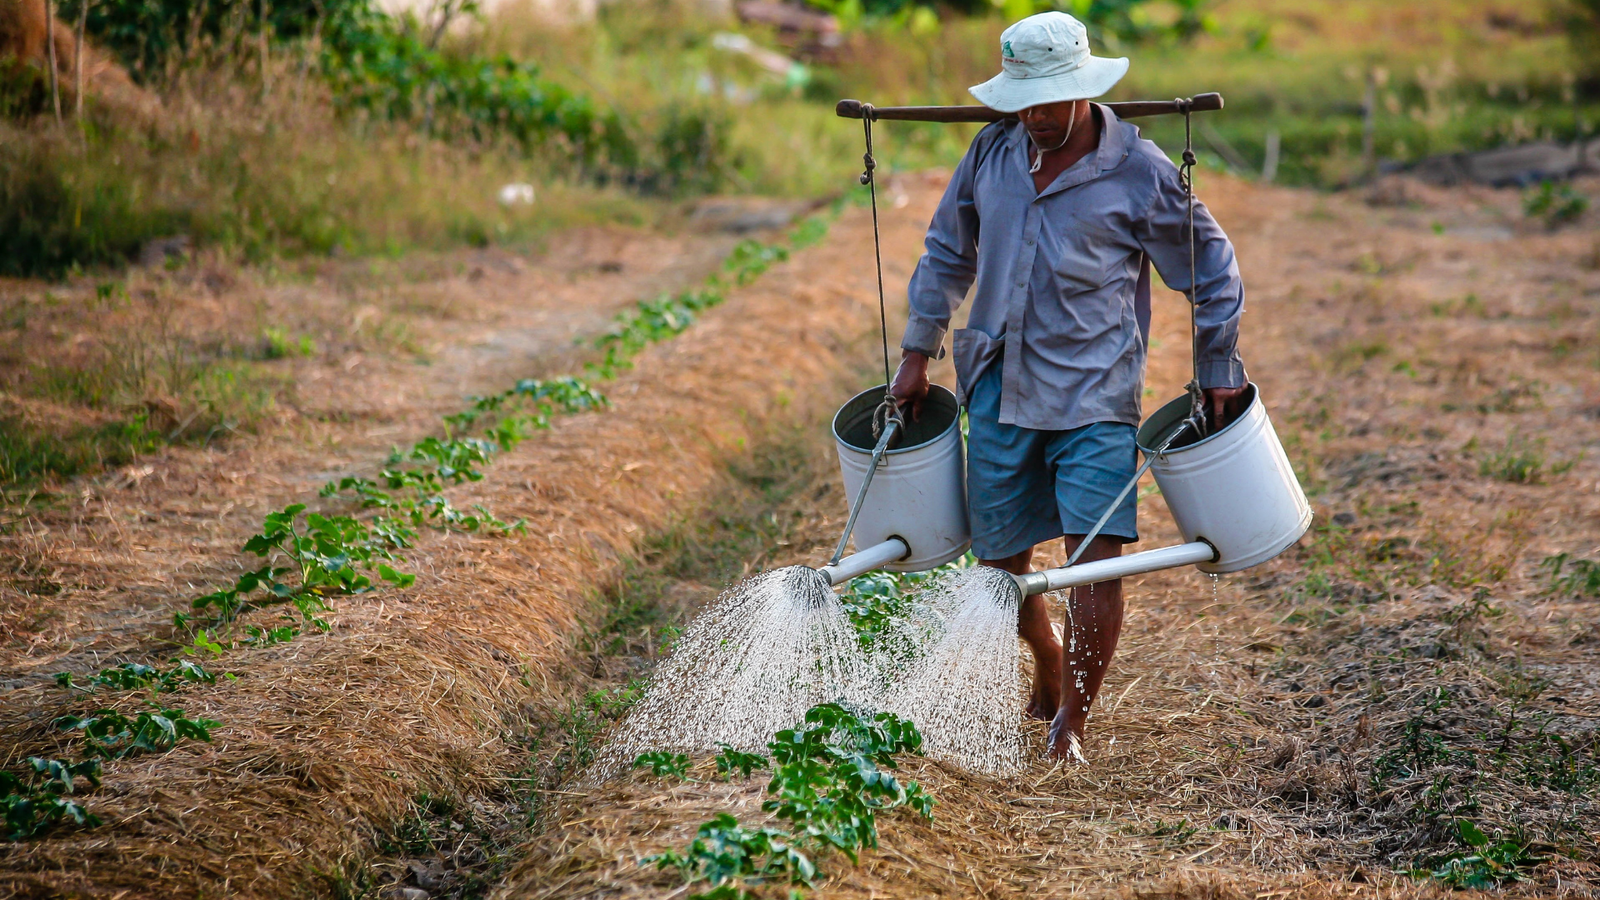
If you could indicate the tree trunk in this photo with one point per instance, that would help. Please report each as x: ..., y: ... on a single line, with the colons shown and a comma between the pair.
x: 77, y: 59
x: 50, y: 47
x: 262, y: 37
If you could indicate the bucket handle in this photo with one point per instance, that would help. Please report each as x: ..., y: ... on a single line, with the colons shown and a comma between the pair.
x: 890, y: 429
x: 1149, y: 459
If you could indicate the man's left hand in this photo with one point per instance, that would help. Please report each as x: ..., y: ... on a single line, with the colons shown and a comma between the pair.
x: 1223, y: 405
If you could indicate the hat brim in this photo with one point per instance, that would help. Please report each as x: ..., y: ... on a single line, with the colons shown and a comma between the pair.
x: 1092, y: 79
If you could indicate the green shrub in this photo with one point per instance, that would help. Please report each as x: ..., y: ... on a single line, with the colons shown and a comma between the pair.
x: 61, y: 207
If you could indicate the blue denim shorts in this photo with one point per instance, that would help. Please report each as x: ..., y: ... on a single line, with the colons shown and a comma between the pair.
x: 1025, y: 487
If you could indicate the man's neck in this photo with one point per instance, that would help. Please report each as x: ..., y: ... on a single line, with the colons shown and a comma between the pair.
x: 1080, y: 143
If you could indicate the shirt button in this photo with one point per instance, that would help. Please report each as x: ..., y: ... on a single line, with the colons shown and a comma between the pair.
x: 1029, y: 242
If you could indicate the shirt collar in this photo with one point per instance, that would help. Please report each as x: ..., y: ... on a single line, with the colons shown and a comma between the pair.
x: 1113, y: 148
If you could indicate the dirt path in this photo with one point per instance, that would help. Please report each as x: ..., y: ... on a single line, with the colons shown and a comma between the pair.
x: 1308, y: 727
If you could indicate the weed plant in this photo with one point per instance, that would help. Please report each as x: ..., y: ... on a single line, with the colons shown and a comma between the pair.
x: 1555, y: 204
x: 1521, y: 462
x: 1482, y: 864
x: 1576, y: 578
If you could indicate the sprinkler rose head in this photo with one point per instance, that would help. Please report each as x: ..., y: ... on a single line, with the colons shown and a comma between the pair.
x: 812, y: 585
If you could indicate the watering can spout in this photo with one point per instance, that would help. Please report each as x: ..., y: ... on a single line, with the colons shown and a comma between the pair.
x: 1188, y: 554
x: 875, y: 557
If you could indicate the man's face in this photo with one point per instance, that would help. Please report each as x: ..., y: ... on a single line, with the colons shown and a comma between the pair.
x: 1048, y: 122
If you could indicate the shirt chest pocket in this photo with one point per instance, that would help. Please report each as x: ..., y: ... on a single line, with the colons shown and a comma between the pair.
x: 1081, y: 255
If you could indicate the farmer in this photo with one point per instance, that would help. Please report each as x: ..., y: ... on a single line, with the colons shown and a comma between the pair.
x: 1059, y: 217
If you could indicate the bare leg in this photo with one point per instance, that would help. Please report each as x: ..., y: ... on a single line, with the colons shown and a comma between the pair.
x: 1033, y: 626
x: 1094, y: 624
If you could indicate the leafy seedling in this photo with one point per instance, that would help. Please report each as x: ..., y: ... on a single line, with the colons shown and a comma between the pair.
x: 663, y: 764
x: 730, y: 761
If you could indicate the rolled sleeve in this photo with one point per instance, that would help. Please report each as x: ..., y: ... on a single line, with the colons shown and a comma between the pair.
x: 1218, y: 290
x: 948, y: 265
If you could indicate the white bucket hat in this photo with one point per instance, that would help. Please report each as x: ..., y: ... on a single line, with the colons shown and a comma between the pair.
x: 1045, y: 59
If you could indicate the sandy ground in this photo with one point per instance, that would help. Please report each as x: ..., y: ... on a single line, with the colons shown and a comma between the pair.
x: 1401, y: 339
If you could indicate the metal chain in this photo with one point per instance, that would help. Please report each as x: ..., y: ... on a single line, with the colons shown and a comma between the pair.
x: 1197, y: 397
x: 877, y: 248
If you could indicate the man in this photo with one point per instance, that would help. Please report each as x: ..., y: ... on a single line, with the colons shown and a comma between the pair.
x: 1058, y: 216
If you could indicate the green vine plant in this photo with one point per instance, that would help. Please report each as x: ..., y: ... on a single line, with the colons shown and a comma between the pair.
x: 876, y: 601
x: 831, y: 776
x: 313, y: 557
x: 36, y: 800
x: 648, y: 322
x: 137, y: 676
x: 309, y: 558
x: 42, y: 796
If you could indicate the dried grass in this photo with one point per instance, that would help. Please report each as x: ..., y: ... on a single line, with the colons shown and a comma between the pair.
x: 328, y: 739
x: 1235, y: 747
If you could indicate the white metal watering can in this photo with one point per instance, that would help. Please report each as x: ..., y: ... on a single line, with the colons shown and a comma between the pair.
x: 1233, y: 494
x: 912, y: 515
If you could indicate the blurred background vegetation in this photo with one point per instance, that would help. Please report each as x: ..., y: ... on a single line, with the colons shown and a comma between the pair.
x: 283, y: 127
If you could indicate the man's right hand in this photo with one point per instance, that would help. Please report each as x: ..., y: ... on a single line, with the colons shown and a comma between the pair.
x: 910, y: 385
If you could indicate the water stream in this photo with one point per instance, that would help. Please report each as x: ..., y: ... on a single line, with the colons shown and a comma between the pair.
x: 965, y: 689
x: 752, y: 663
x: 776, y: 644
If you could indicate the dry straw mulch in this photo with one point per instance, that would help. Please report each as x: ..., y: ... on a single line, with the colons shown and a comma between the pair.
x: 1307, y: 728
x: 328, y: 740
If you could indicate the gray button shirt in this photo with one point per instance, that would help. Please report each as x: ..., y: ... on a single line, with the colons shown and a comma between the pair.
x: 1063, y: 277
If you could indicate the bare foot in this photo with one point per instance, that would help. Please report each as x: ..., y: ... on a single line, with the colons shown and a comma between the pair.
x: 1045, y: 698
x: 1066, y: 740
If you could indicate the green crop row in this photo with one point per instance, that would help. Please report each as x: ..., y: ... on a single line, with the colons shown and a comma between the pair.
x: 36, y: 800
x: 312, y: 557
